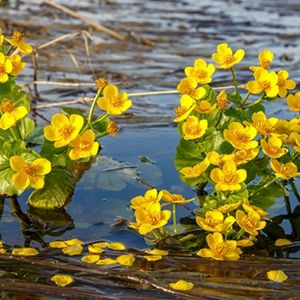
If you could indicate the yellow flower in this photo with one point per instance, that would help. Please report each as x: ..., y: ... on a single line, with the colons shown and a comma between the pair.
x: 264, y: 82
x: 62, y: 280
x: 204, y: 107
x: 10, y: 115
x: 188, y: 86
x: 116, y: 246
x: 96, y: 248
x: 282, y: 242
x: 72, y: 250
x: 226, y: 208
x: 174, y: 198
x: 196, y: 170
x: 277, y: 276
x: 222, y: 100
x: 84, y: 145
x: 284, y: 84
x: 18, y: 41
x: 106, y: 261
x: 17, y: 64
x: 220, y: 249
x: 265, y: 58
x: 29, y: 174
x: 112, y: 128
x: 293, y: 102
x: 250, y: 222
x: 5, y: 68
x: 225, y: 58
x: 214, y: 221
x: 150, y: 218
x: 249, y: 208
x: 25, y: 251
x: 193, y: 128
x: 113, y: 102
x: 63, y: 130
x: 240, y: 137
x: 294, y: 139
x: 126, y: 260
x: 263, y: 125
x: 151, y: 196
x: 90, y: 258
x: 228, y: 178
x: 201, y: 72
x: 182, y: 285
x: 101, y: 83
x: 243, y: 156
x: 63, y: 244
x: 218, y: 159
x: 187, y: 104
x: 272, y: 147
x: 284, y: 171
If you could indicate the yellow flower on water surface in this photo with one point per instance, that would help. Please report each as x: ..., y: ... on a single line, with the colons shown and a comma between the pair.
x: 151, y: 196
x: 117, y: 246
x: 196, y: 170
x: 243, y: 156
x: 174, y: 198
x: 218, y: 159
x: 240, y: 137
x: 72, y: 250
x: 265, y: 58
x: 228, y: 178
x: 17, y: 64
x: 193, y: 128
x: 113, y: 102
x: 272, y: 147
x: 284, y: 171
x: 251, y: 221
x: 226, y: 208
x: 226, y: 58
x: 62, y: 280
x: 63, y: 244
x: 150, y: 218
x: 125, y: 260
x: 18, y: 41
x: 220, y: 249
x: 90, y: 258
x: 25, y: 251
x: 188, y: 86
x: 181, y: 285
x: 293, y: 102
x: 84, y: 145
x: 263, y: 125
x: 29, y: 174
x: 264, y: 82
x: 10, y: 115
x: 5, y: 68
x: 277, y: 276
x: 284, y: 83
x: 63, y: 130
x: 222, y: 100
x: 204, y: 107
x: 214, y: 221
x: 201, y: 72
x: 187, y: 104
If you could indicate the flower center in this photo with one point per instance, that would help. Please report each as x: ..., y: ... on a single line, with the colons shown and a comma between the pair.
x: 66, y: 131
x: 265, y: 85
x: 179, y: 111
x: 30, y: 170
x: 116, y: 101
x: 188, y: 91
x: 6, y: 106
x: 230, y: 178
x: 228, y: 59
x: 212, y: 222
x: 195, y: 130
x: 241, y: 137
x: 250, y: 223
x: 220, y: 250
x: 17, y: 36
x: 2, y: 69
x: 154, y: 220
x: 200, y: 74
x: 280, y: 83
x: 85, y: 146
x: 265, y: 63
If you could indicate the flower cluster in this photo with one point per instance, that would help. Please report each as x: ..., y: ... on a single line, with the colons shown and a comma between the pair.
x: 230, y: 144
x: 70, y: 139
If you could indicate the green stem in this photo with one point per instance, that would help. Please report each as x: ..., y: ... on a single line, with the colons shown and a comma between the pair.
x: 255, y: 102
x: 239, y: 234
x: 294, y: 189
x: 9, y: 50
x: 245, y: 99
x: 14, y: 134
x: 234, y: 81
x: 264, y: 186
x: 174, y: 219
x: 91, y: 112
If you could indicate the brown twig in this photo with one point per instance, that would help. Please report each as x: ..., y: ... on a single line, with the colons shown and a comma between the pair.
x: 84, y: 19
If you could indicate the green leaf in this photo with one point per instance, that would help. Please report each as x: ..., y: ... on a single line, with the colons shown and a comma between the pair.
x: 253, y: 109
x: 56, y: 193
x: 36, y: 136
x: 6, y: 185
x: 235, y: 98
x: 26, y: 127
x: 71, y: 110
x: 235, y: 113
x: 226, y: 148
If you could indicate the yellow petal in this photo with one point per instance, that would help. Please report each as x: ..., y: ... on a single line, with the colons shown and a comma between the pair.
x: 126, y: 260
x: 37, y: 182
x: 90, y: 259
x: 95, y: 250
x: 182, y: 285
x: 25, y: 251
x: 62, y: 280
x: 156, y: 252
x: 116, y: 246
x: 277, y: 276
x: 72, y: 250
x: 20, y: 181
x: 106, y: 261
x: 17, y: 163
x: 57, y: 244
x: 43, y: 166
x: 74, y: 242
x: 153, y: 257
x: 282, y: 242
x: 59, y: 120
